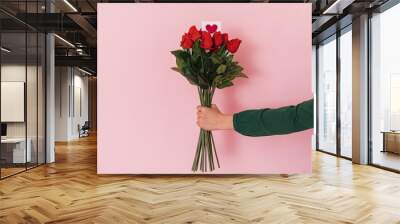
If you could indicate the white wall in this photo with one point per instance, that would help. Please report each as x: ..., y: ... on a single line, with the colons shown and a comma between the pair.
x: 15, y: 72
x: 79, y: 104
x: 62, y: 81
x: 71, y: 102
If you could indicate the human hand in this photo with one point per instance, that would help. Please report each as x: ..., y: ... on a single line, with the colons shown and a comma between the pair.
x: 213, y: 119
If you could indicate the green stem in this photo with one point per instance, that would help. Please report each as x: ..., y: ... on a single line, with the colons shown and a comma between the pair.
x: 207, y: 143
x: 196, y: 156
x: 201, y: 151
x: 204, y: 157
x: 210, y: 154
x: 215, y: 150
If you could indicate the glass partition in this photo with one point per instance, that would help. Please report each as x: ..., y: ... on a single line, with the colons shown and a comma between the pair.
x: 22, y: 101
x: 14, y: 153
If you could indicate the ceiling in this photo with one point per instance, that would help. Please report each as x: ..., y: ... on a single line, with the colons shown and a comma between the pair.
x: 76, y: 22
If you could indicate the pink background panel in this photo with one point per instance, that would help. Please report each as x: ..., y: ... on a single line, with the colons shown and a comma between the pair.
x: 146, y: 111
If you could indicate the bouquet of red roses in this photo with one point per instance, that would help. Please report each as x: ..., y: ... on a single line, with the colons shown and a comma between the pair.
x: 206, y: 60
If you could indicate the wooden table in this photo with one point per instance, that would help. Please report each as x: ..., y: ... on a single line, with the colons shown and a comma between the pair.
x: 391, y: 141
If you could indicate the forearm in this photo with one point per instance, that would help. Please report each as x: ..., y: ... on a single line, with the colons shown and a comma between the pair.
x: 226, y: 122
x: 265, y: 122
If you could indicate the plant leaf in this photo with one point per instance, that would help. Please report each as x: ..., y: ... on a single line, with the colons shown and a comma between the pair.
x: 176, y: 69
x: 221, y: 69
x: 242, y: 75
x: 225, y: 84
x: 216, y: 59
x: 179, y: 53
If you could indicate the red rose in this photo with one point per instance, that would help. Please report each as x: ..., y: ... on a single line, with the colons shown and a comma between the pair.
x: 225, y: 38
x: 217, y: 39
x: 186, y: 42
x: 194, y: 33
x: 206, y: 40
x: 233, y: 45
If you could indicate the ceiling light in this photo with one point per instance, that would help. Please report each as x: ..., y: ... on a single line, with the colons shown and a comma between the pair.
x: 5, y: 50
x: 70, y: 5
x: 65, y: 41
x: 84, y: 71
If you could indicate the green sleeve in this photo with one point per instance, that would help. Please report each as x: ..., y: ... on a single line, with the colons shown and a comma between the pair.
x: 279, y: 121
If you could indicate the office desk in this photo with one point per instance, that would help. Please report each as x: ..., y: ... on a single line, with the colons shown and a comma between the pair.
x: 13, y: 150
x: 391, y: 141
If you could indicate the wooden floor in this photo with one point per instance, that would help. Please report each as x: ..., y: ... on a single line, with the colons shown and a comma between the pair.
x: 69, y: 191
x: 387, y: 159
x: 5, y: 172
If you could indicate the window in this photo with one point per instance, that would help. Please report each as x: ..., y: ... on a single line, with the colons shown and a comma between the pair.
x: 385, y: 89
x: 327, y: 95
x: 346, y: 92
x: 394, y: 102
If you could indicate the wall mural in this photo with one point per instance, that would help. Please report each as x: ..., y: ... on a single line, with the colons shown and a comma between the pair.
x: 147, y: 112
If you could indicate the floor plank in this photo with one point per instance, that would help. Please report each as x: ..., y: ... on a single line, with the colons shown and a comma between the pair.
x: 70, y: 191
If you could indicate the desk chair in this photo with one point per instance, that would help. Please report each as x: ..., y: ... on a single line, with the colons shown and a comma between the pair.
x: 84, y: 130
